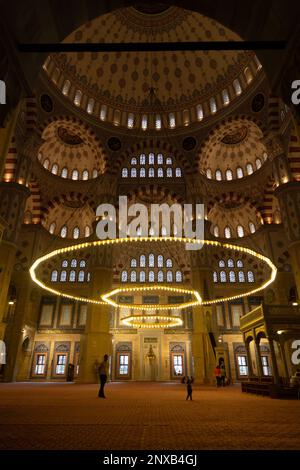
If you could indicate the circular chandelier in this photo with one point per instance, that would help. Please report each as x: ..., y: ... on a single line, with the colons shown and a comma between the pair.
x: 152, y: 321
x: 151, y: 288
x: 104, y: 299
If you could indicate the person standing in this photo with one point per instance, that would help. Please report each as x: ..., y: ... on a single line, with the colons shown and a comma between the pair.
x: 223, y: 374
x: 103, y: 373
x: 217, y: 373
x: 189, y: 388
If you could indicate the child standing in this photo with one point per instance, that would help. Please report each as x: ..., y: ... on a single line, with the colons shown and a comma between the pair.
x: 189, y: 388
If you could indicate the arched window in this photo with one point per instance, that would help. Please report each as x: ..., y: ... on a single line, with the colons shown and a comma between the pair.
x: 88, y: 277
x: 144, y: 122
x: 142, y: 159
x: 213, y: 105
x: 54, y: 169
x: 85, y: 175
x: 199, y: 110
x: 240, y: 231
x: 248, y: 75
x: 239, y: 172
x: 178, y: 172
x: 133, y: 263
x: 87, y: 231
x: 151, y: 276
x: 151, y: 260
x: 63, y: 276
x: 157, y: 122
x: 163, y: 231
x: 133, y: 173
x: 54, y: 276
x: 258, y: 163
x: 90, y: 106
x: 76, y: 232
x: 208, y: 173
x: 142, y: 276
x: 229, y: 175
x: 142, y: 172
x: 82, y: 263
x: 81, y: 276
x: 215, y: 276
x: 169, y: 276
x: 160, y: 173
x: 64, y: 173
x: 46, y: 164
x: 77, y: 99
x: 124, y: 173
x: 72, y: 276
x: 151, y: 159
x: 225, y: 97
x: 74, y: 263
x: 64, y: 232
x: 151, y: 172
x: 251, y: 227
x: 103, y: 112
x: 231, y: 276
x: 64, y: 263
x: 218, y: 175
x: 221, y: 263
x: 249, y: 168
x: 250, y: 276
x: 169, y: 172
x: 52, y: 227
x: 265, y: 156
x: 66, y: 88
x: 172, y: 121
x: 133, y: 161
x: 178, y: 276
x: 237, y: 87
x: 124, y: 276
x: 95, y: 173
x: 227, y: 232
x: 169, y: 161
x: 223, y: 277
x: 142, y: 261
x: 160, y: 276
x: 240, y: 263
x: 216, y: 231
x: 75, y: 175
x: 230, y: 263
x: 160, y: 261
x: 130, y: 120
x: 241, y: 276
x: 133, y: 276
x: 169, y: 263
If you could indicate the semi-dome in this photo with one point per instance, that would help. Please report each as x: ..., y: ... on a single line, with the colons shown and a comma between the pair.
x: 71, y: 151
x: 233, y: 150
x: 150, y: 89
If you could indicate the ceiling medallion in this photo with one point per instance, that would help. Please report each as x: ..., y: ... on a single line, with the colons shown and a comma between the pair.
x: 235, y: 137
x: 68, y: 137
x: 114, y: 144
x: 258, y: 102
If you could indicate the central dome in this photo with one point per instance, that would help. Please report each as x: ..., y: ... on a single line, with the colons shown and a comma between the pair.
x: 180, y: 80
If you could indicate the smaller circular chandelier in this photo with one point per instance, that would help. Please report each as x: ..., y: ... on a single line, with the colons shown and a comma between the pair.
x: 150, y: 288
x: 152, y: 321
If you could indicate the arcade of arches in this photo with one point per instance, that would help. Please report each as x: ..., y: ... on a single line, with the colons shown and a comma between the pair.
x: 158, y: 127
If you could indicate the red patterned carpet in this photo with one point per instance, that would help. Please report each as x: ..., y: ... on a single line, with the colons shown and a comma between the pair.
x: 143, y: 416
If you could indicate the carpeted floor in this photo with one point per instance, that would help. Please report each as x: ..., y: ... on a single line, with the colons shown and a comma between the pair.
x: 143, y: 416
